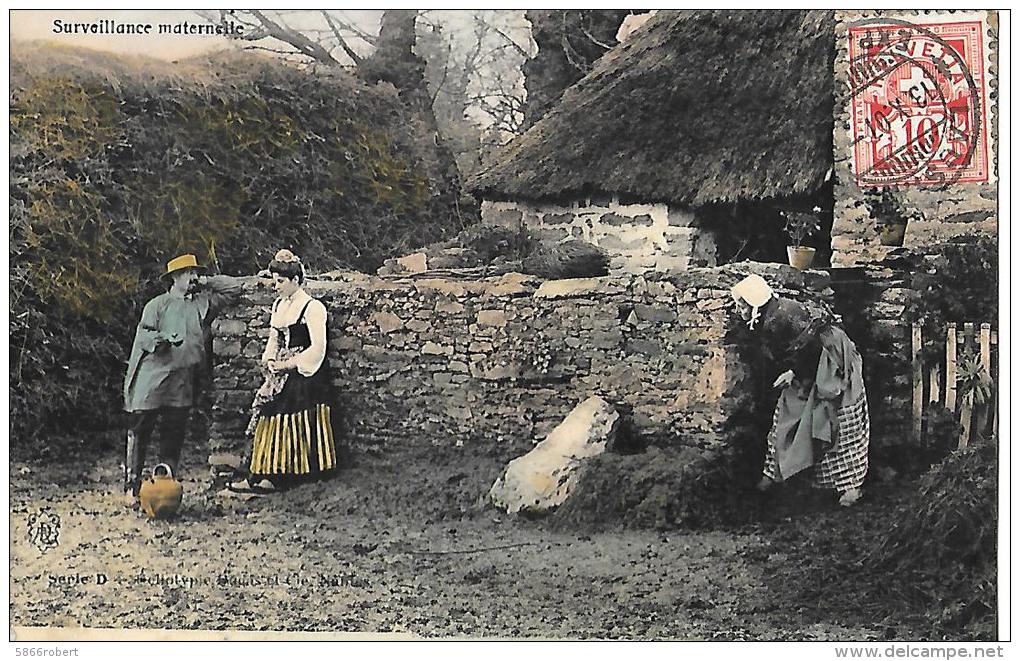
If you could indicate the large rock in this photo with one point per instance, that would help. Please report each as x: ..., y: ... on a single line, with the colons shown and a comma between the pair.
x: 543, y: 478
x: 632, y: 23
x: 416, y: 263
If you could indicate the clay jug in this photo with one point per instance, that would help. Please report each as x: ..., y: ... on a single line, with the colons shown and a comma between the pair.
x: 160, y: 495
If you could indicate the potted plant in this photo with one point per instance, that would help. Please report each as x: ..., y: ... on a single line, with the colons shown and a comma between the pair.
x: 800, y: 225
x: 890, y: 216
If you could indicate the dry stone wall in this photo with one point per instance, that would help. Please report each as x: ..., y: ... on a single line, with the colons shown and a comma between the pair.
x: 638, y: 237
x: 501, y: 361
x: 873, y: 301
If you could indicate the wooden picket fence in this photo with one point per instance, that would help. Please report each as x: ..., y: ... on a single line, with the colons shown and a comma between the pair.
x: 929, y: 385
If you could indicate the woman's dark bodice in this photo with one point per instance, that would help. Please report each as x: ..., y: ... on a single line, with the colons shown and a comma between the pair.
x: 298, y: 335
x: 791, y: 334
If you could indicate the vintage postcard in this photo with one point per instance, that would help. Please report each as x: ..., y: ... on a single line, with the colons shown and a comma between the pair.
x: 493, y: 324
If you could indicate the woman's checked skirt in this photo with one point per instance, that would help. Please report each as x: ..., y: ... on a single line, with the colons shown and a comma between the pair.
x: 845, y: 465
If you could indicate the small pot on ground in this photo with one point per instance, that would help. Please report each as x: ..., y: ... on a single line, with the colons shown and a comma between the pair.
x: 800, y: 257
x: 160, y: 496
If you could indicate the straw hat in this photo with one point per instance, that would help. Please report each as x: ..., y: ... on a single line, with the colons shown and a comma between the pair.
x: 180, y: 263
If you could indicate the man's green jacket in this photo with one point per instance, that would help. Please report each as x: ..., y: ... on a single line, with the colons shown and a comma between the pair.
x: 171, y: 346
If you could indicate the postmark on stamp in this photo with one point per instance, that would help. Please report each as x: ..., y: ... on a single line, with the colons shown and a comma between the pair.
x: 918, y: 108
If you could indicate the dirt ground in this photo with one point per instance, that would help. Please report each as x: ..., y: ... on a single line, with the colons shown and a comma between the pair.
x: 405, y: 544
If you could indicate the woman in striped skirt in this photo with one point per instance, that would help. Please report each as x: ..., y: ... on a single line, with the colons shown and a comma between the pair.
x: 821, y: 418
x: 291, y: 423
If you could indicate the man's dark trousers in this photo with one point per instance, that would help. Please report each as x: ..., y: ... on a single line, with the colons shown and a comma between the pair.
x: 173, y: 425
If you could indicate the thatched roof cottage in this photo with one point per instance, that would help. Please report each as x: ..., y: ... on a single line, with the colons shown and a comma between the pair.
x: 682, y: 143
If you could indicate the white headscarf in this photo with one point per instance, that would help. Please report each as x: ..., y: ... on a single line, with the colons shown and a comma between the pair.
x: 754, y: 291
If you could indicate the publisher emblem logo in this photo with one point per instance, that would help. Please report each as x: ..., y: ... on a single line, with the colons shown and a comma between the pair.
x: 44, y: 530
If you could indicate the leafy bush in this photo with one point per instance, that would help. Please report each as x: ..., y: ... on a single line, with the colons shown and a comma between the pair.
x: 941, y: 430
x: 117, y: 166
x: 801, y: 224
x: 957, y: 282
x: 490, y: 242
x: 887, y: 209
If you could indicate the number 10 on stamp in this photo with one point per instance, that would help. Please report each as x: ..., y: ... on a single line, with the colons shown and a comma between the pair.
x: 918, y: 102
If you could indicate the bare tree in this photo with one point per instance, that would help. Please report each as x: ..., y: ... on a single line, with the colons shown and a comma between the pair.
x: 325, y: 37
x: 479, y: 77
x: 568, y: 44
x: 466, y: 65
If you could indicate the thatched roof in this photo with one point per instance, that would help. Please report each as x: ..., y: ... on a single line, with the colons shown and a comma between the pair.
x: 696, y: 107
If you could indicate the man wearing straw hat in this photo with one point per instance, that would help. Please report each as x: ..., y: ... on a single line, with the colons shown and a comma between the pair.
x: 168, y: 359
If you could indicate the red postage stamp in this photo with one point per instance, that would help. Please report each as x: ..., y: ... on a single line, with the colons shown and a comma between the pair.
x: 918, y: 102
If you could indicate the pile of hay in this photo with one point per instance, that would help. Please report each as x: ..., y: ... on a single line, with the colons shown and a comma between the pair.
x: 568, y: 259
x: 659, y: 489
x: 941, y: 545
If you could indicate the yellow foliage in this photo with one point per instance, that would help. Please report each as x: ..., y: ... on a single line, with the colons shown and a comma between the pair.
x: 67, y: 119
x: 393, y: 181
x: 243, y: 125
x: 79, y: 263
x: 190, y: 214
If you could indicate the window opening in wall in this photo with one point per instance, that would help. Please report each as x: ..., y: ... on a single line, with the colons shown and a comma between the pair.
x: 754, y: 231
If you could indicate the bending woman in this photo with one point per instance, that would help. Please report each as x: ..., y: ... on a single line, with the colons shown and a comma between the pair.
x: 293, y: 432
x: 821, y: 418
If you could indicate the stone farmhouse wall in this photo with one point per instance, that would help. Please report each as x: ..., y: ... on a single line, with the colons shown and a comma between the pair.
x: 638, y: 237
x: 873, y: 301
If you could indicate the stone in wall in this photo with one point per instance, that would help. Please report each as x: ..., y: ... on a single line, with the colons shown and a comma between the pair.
x: 503, y: 214
x: 872, y: 300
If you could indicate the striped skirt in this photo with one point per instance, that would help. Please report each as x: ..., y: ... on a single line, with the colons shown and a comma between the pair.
x: 299, y: 443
